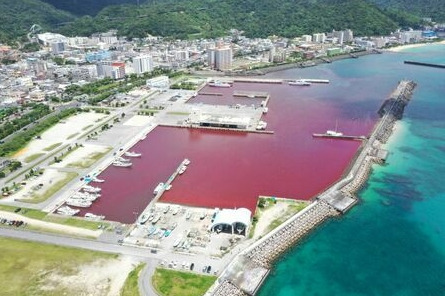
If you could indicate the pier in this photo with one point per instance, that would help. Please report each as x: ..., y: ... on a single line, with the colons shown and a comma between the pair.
x: 255, y: 80
x: 247, y: 271
x: 251, y: 94
x: 425, y: 64
x: 210, y: 94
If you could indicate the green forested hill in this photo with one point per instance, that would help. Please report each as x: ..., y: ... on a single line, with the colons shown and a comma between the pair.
x: 185, y: 18
x: 86, y: 7
x: 207, y: 18
x: 425, y: 8
x: 17, y: 16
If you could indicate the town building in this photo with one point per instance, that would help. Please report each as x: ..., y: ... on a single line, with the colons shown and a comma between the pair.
x: 220, y: 58
x: 142, y: 64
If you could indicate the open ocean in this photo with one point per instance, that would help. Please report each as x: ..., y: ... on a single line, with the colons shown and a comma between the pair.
x: 393, y: 241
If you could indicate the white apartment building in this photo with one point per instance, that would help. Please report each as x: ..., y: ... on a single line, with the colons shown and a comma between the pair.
x: 142, y: 64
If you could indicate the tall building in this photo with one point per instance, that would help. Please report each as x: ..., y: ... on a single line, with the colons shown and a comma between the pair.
x: 142, y: 64
x: 319, y: 38
x: 118, y: 70
x: 220, y: 58
x: 340, y: 35
x: 348, y: 36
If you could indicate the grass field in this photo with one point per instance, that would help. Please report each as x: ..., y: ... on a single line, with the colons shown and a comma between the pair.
x: 40, y: 197
x: 52, y: 147
x: 43, y: 216
x: 72, y: 136
x: 176, y: 283
x: 32, y: 157
x: 131, y: 287
x: 26, y: 267
x: 89, y: 160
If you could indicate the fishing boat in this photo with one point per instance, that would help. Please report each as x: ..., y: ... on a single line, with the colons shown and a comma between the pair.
x: 79, y: 203
x: 158, y: 188
x: 92, y: 216
x: 300, y: 82
x: 122, y: 164
x: 143, y: 218
x: 91, y: 189
x: 132, y: 154
x: 67, y: 211
x: 218, y: 83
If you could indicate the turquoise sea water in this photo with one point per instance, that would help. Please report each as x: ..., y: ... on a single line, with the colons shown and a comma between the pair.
x: 393, y: 242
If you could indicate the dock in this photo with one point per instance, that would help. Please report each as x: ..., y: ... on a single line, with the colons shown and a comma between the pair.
x: 255, y: 80
x: 425, y: 64
x: 311, y: 80
x: 251, y: 94
x: 342, y: 137
x: 210, y: 94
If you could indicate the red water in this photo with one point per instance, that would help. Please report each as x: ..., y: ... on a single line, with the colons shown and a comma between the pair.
x: 231, y: 169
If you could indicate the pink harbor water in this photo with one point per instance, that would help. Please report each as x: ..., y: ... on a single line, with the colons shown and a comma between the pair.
x: 231, y: 169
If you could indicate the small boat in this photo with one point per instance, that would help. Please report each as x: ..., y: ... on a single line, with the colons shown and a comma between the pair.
x: 161, y: 233
x: 186, y: 161
x: 177, y: 242
x: 67, y: 211
x: 167, y: 233
x: 151, y: 217
x: 80, y: 203
x: 121, y: 159
x: 132, y: 154
x: 182, y: 169
x: 97, y: 180
x: 91, y: 189
x: 265, y: 110
x: 89, y: 197
x: 143, y: 218
x: 122, y: 164
x: 188, y: 216
x: 173, y: 226
x: 156, y: 219
x: 175, y: 210
x: 261, y: 125
x: 166, y: 209
x: 169, y: 186
x: 151, y: 230
x: 158, y: 188
x: 218, y: 83
x: 300, y: 82
x: 92, y: 216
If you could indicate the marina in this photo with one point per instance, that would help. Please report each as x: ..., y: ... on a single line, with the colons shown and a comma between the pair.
x: 248, y: 270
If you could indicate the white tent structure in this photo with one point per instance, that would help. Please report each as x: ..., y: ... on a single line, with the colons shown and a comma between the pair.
x: 239, y: 218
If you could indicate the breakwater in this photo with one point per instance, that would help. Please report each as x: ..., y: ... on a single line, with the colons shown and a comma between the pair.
x: 425, y: 64
x: 249, y: 269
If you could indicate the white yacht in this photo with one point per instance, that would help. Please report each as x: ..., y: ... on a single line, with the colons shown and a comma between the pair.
x: 132, y: 154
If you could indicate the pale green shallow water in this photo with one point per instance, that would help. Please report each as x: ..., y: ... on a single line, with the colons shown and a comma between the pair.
x: 393, y: 242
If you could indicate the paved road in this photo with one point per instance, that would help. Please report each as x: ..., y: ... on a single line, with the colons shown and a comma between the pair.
x: 144, y: 281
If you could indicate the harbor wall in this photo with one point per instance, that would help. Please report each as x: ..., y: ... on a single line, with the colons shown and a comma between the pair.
x: 248, y: 270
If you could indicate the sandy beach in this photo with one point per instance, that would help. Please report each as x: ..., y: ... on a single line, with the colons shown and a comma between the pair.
x: 408, y: 46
